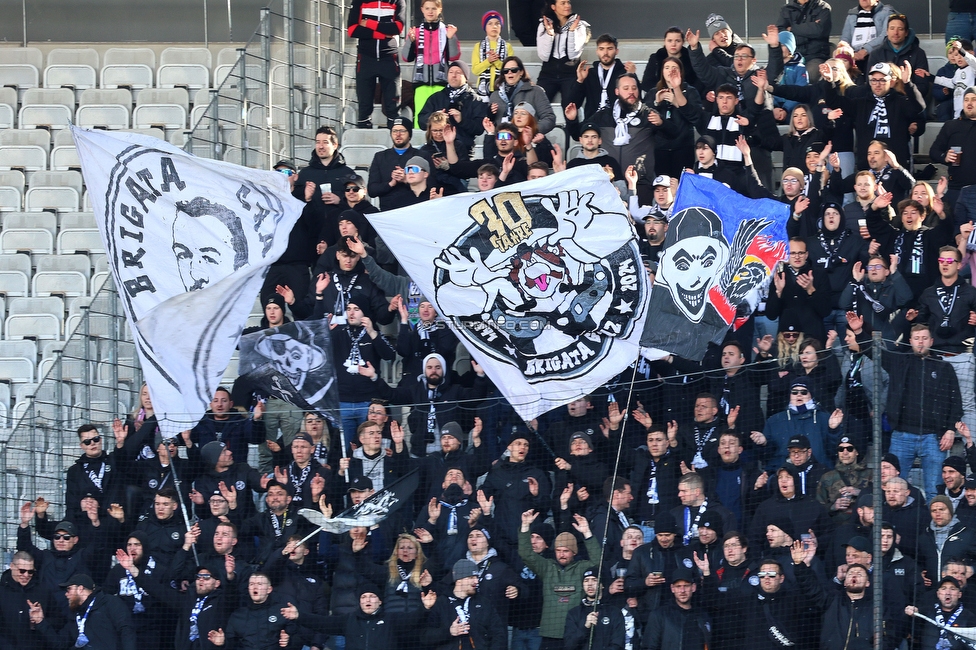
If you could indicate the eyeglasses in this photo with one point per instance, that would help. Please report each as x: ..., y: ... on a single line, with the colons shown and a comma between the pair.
x: 504, y: 135
x: 801, y: 391
x: 742, y: 57
x: 286, y: 172
x: 204, y: 576
x: 437, y: 131
x: 767, y: 574
x: 847, y: 448
x: 91, y: 441
x: 877, y: 80
x: 412, y: 169
x: 790, y: 180
x: 403, y: 131
x: 875, y: 267
x: 26, y: 572
x: 511, y: 70
x: 61, y: 536
x: 948, y: 260
x: 352, y: 188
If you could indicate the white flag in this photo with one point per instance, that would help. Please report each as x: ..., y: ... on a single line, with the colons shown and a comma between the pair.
x: 189, y: 242
x: 542, y: 281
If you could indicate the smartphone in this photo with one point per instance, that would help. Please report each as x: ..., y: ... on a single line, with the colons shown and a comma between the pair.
x: 805, y: 539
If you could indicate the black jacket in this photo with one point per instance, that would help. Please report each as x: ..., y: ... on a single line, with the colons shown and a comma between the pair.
x: 214, y: 610
x: 237, y: 432
x: 508, y: 483
x: 642, y: 135
x: 835, y: 253
x: 923, y: 393
x: 15, y: 627
x: 258, y: 626
x: 587, y: 95
x: 80, y: 483
x: 804, y: 511
x: 652, y: 73
x: 810, y: 23
x: 54, y: 567
x: 960, y: 132
x: 666, y: 628
x: 241, y: 475
x: 378, y: 631
x: 651, y: 558
x: 798, y: 306
x: 951, y: 338
x: 960, y: 543
x: 108, y: 625
x: 912, y: 52
x: 902, y: 109
x: 384, y: 22
x: 358, y: 388
x: 380, y: 171
x: 667, y: 471
x: 488, y: 630
x: 472, y: 109
x: 610, y: 632
x: 305, y: 235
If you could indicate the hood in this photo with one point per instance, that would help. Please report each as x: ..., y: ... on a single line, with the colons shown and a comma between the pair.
x: 909, y: 43
x: 842, y: 226
x: 795, y: 473
x: 600, y: 152
x: 316, y: 162
x: 7, y: 582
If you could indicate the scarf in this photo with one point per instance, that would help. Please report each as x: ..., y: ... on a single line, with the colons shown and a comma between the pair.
x: 343, y: 294
x: 355, y: 357
x: 803, y: 408
x: 621, y: 134
x: 944, y: 643
x: 404, y: 586
x: 430, y: 58
x: 452, y: 517
x: 832, y: 247
x: 505, y: 92
x: 864, y: 29
x: 942, y: 532
x: 299, y: 480
x: 863, y: 290
x: 96, y: 479
x: 486, y: 80
x: 604, y: 77
x: 879, y: 116
x: 455, y: 94
x: 916, y: 258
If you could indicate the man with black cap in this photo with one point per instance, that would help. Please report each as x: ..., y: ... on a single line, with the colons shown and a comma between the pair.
x: 151, y: 626
x: 592, y: 152
x: 902, y: 579
x: 157, y: 473
x: 742, y: 178
x: 593, y: 623
x: 654, y: 563
x: 710, y: 533
x: 840, y: 487
x: 953, y: 479
x: 583, y: 466
x: 66, y: 556
x: 679, y: 624
x: 20, y: 586
x: 387, y: 178
x: 463, y: 108
x: 948, y: 611
x: 655, y: 228
x: 219, y: 467
x: 803, y: 511
x: 448, y: 463
x: 369, y: 627
x: 101, y: 620
x: 966, y: 510
x: 465, y: 619
x: 419, y: 182
x: 801, y: 418
x: 860, y: 524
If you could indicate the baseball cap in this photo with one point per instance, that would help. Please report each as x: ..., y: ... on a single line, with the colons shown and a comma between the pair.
x: 663, y: 180
x: 883, y: 68
x: 303, y: 436
x: 79, y: 580
x: 858, y: 543
x: 67, y: 527
x: 589, y: 126
x: 798, y: 442
x: 360, y: 484
x: 464, y: 568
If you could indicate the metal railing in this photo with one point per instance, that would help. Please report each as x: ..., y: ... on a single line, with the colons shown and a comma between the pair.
x: 291, y: 77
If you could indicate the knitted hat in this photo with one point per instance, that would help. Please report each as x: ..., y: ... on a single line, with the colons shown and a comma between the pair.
x: 794, y: 172
x: 419, y: 161
x: 460, y: 64
x: 707, y: 140
x: 715, y: 22
x: 275, y: 300
x: 943, y: 499
x: 434, y: 355
x: 579, y: 435
x: 543, y: 530
x: 664, y: 523
x: 789, y: 40
x: 566, y: 540
x: 452, y: 429
x: 404, y: 122
x: 892, y: 460
x: 785, y: 524
x: 712, y: 521
x: 464, y: 568
x: 955, y: 462
x: 970, y: 91
x: 489, y: 15
x: 211, y: 452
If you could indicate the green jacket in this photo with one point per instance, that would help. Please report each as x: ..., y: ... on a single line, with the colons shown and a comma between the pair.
x: 562, y: 586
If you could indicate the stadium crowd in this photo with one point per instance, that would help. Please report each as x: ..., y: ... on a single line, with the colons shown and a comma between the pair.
x: 731, y: 508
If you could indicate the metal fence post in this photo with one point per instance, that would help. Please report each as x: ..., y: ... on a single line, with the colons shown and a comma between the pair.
x: 877, y: 581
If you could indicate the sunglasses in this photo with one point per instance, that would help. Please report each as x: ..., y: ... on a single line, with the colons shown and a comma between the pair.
x: 799, y: 392
x: 204, y: 576
x: 352, y: 188
x: 947, y: 260
x: 791, y: 335
x: 91, y: 441
x: 61, y: 536
x: 26, y: 572
x: 286, y: 172
x: 767, y: 574
x: 875, y: 267
x: 504, y: 135
x: 845, y: 448
x: 511, y: 70
x: 412, y: 169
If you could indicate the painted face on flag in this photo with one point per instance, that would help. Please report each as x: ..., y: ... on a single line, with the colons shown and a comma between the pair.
x: 692, y: 264
x: 539, y: 272
x: 208, y: 242
x: 290, y: 357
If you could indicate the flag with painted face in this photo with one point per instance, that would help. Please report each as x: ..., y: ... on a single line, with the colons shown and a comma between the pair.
x: 719, y: 252
x: 189, y: 241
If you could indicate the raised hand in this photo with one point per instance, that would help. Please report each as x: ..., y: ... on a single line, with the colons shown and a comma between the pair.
x: 428, y: 599
x: 855, y: 321
x: 423, y: 535
x: 771, y: 36
x: 486, y: 504
x: 286, y: 293
x: 692, y: 38
x: 528, y: 518
x: 566, y: 495
x: 571, y: 112
x: 836, y: 418
x: 433, y: 510
x: 581, y: 525
x: 702, y: 563
x: 26, y: 512
x: 216, y: 637
x: 857, y: 272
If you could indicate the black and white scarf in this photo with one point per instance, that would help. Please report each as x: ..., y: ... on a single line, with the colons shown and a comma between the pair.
x: 454, y: 95
x: 507, y: 93
x: 452, y: 516
x: 355, y: 356
x: 343, y: 294
x: 438, y: 72
x: 404, y: 585
x: 484, y: 79
x: 604, y: 76
x: 299, y: 480
x: 879, y: 115
x: 916, y: 258
x: 621, y: 132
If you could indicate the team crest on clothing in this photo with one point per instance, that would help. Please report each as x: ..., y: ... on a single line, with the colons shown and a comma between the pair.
x: 153, y: 483
x: 546, y: 302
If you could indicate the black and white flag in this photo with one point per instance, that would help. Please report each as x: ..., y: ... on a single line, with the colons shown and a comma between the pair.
x: 371, y: 511
x: 293, y: 362
x: 189, y: 242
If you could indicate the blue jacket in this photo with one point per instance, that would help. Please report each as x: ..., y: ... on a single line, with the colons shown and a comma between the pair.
x: 813, y: 424
x: 794, y: 74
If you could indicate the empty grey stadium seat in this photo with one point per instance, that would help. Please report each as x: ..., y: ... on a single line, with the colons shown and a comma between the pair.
x: 74, y: 68
x: 37, y: 318
x: 128, y: 67
x: 11, y: 190
x: 15, y: 274
x: 28, y: 232
x: 8, y: 107
x: 104, y: 108
x: 20, y: 68
x: 54, y: 190
x: 65, y: 275
x: 50, y: 108
x: 184, y: 67
x: 161, y: 108
x: 18, y: 360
